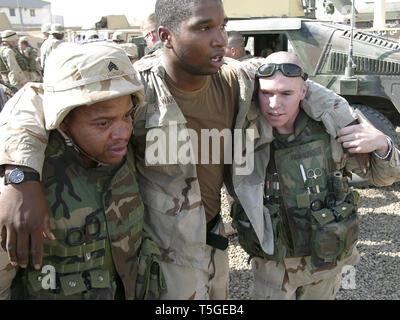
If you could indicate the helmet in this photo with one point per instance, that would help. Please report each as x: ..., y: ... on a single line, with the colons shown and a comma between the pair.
x: 9, y: 35
x: 56, y: 28
x: 83, y: 74
x: 130, y: 49
x: 118, y: 36
x: 45, y: 28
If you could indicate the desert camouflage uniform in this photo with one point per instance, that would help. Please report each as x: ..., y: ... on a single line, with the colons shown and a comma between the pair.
x: 14, y: 76
x: 34, y: 67
x: 7, y: 274
x: 175, y: 216
x: 288, y: 274
x: 47, y: 47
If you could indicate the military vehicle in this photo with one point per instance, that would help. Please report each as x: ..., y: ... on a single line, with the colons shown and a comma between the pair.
x: 371, y: 83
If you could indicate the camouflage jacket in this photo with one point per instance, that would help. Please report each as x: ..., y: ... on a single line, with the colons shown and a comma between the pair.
x: 14, y: 75
x: 174, y: 212
x: 334, y: 113
x: 47, y: 47
x: 96, y: 215
x: 175, y: 216
x: 31, y: 54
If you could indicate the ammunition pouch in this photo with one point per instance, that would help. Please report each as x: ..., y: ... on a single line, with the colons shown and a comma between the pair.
x: 334, y: 232
x: 248, y: 238
x: 150, y: 282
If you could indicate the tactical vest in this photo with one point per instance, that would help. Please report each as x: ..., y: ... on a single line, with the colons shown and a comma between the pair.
x: 97, y: 219
x: 31, y: 56
x: 21, y: 59
x: 312, y: 210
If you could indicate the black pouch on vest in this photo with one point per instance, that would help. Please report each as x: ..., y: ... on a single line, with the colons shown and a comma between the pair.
x: 334, y: 234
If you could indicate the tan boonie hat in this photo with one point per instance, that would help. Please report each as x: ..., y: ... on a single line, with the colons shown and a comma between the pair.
x: 56, y: 28
x: 9, y: 35
x: 130, y: 49
x: 45, y: 28
x: 83, y: 74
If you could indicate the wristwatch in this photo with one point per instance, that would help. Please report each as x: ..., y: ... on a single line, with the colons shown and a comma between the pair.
x: 17, y: 176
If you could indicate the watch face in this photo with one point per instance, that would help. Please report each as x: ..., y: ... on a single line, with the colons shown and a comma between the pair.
x: 16, y: 176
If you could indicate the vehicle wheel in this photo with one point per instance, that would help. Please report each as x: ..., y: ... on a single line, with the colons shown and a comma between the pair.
x: 381, y: 123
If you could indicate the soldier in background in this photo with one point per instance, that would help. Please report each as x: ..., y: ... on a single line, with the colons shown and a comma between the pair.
x: 131, y: 51
x: 45, y: 29
x: 96, y: 241
x: 150, y: 34
x: 55, y: 39
x: 31, y: 55
x: 13, y: 65
x: 235, y: 48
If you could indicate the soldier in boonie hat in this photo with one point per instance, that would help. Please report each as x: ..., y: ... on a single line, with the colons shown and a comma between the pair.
x: 9, y: 36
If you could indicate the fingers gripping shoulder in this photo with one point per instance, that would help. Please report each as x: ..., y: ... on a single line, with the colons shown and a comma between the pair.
x: 324, y: 105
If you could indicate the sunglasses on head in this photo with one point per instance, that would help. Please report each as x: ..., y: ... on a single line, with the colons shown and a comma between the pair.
x: 287, y: 69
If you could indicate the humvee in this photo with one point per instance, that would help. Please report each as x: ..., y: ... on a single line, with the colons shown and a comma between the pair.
x: 374, y: 85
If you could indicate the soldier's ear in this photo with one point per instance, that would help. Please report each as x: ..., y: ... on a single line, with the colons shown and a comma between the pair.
x: 64, y: 125
x: 304, y: 90
x: 165, y: 36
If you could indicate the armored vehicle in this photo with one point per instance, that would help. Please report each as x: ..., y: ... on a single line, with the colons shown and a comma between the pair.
x: 373, y: 86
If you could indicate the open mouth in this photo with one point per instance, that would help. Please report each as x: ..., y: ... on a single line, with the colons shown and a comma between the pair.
x: 217, y: 59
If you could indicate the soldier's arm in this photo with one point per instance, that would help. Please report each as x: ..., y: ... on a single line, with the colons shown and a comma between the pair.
x: 384, y: 157
x: 23, y: 208
x: 324, y: 105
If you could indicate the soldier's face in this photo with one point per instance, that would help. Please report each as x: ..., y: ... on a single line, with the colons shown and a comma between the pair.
x: 102, y: 130
x: 199, y: 46
x: 279, y: 98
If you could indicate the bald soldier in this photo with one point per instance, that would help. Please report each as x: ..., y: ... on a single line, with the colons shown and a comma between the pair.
x: 313, y: 211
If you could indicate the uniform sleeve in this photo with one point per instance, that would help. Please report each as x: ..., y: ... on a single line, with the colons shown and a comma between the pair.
x: 23, y: 138
x: 322, y: 104
x: 16, y: 76
x: 381, y: 172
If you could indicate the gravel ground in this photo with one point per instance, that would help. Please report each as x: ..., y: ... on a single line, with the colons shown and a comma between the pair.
x: 377, y: 276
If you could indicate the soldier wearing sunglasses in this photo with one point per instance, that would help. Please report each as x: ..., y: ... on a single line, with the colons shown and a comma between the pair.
x: 313, y: 211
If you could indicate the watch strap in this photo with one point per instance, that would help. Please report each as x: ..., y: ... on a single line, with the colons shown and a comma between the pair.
x: 28, y: 176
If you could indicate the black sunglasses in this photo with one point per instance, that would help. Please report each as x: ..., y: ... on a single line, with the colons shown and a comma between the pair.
x: 288, y: 69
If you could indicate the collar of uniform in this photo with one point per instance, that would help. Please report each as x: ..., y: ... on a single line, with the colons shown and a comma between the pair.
x: 299, y: 125
x: 162, y: 109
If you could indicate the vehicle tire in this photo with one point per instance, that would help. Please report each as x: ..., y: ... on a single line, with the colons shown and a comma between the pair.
x: 381, y: 123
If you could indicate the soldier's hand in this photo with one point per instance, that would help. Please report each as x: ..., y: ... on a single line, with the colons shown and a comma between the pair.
x: 363, y: 138
x: 24, y: 216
